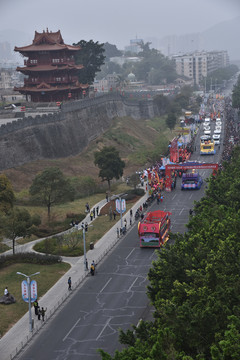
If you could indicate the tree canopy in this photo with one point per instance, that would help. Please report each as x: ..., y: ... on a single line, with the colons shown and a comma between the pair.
x: 91, y: 56
x: 7, y: 196
x: 51, y: 187
x: 18, y: 223
x: 110, y: 164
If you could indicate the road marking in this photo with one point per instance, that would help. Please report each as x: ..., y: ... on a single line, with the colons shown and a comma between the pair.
x: 174, y: 196
x: 107, y: 323
x: 132, y: 285
x: 105, y: 285
x: 130, y: 253
x: 181, y: 211
x: 71, y: 329
x: 190, y: 196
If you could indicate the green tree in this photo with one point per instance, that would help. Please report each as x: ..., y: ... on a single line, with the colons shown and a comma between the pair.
x: 110, y: 164
x: 91, y: 57
x: 7, y: 196
x: 18, y: 223
x: 111, y: 51
x: 171, y: 121
x: 51, y: 187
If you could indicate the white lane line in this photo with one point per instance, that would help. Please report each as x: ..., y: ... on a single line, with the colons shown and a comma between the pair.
x: 190, y: 196
x: 71, y: 329
x: 130, y: 254
x: 132, y: 285
x: 107, y: 323
x: 181, y: 211
x: 105, y: 285
x: 174, y: 196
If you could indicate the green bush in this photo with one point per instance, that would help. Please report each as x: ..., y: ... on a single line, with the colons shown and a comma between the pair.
x: 31, y: 258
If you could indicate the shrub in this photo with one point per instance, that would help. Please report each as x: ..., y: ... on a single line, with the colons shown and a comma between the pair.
x: 31, y: 258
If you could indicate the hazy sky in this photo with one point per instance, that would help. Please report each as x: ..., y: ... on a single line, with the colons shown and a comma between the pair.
x: 114, y: 21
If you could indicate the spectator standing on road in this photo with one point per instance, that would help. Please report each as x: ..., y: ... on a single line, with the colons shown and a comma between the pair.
x: 114, y: 214
x: 118, y: 232
x: 69, y: 283
x: 94, y: 212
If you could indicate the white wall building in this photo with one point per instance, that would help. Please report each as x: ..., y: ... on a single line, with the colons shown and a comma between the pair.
x: 198, y: 65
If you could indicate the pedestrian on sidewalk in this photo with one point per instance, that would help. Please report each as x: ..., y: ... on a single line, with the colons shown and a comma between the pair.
x: 86, y: 264
x: 39, y: 313
x: 130, y: 221
x: 131, y: 213
x: 114, y: 214
x: 36, y: 307
x: 118, y: 232
x: 43, y: 312
x: 125, y: 223
x: 97, y: 210
x: 107, y: 197
x: 94, y: 212
x: 69, y: 283
x: 91, y: 215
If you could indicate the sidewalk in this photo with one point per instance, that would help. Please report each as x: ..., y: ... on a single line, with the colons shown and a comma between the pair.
x: 19, y: 335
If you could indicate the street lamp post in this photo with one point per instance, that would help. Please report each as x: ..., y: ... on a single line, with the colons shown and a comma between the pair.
x: 84, y: 246
x: 29, y: 296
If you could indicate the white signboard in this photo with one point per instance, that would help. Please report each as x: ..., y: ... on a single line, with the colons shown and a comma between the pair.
x: 33, y: 289
x: 121, y: 206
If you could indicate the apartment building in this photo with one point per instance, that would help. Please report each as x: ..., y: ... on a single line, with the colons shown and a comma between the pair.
x: 198, y: 65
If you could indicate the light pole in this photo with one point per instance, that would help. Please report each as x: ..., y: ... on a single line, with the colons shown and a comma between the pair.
x: 29, y: 296
x: 84, y: 246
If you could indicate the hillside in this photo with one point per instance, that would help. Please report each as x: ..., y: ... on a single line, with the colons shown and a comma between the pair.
x: 138, y: 141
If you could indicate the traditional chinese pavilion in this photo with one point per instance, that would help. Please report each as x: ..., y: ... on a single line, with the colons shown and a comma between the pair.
x: 51, y: 69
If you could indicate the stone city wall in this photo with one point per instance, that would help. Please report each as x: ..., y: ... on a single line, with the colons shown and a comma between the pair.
x: 66, y: 132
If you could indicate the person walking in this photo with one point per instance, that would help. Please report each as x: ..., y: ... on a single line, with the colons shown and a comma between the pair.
x: 43, y: 312
x: 94, y: 212
x: 69, y: 283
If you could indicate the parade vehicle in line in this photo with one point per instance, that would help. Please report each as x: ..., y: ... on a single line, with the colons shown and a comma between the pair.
x: 154, y: 228
x: 191, y: 181
x: 207, y: 147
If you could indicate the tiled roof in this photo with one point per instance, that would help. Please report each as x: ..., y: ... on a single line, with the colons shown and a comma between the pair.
x: 47, y: 41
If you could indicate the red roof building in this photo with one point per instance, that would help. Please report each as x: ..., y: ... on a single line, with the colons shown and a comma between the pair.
x: 51, y: 69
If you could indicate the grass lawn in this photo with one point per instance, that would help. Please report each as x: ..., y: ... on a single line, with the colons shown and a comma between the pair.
x: 10, y: 314
x: 95, y: 231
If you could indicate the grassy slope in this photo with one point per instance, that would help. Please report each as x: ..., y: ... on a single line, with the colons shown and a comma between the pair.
x: 135, y: 139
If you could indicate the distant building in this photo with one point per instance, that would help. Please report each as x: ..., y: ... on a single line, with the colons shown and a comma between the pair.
x: 198, y: 65
x: 134, y: 46
x: 52, y: 74
x: 120, y: 60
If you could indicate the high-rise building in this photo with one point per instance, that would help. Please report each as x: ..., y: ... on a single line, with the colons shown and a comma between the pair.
x: 198, y: 65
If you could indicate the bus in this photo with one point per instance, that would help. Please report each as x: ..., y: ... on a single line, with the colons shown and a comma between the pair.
x: 207, y: 147
x: 154, y: 229
x: 191, y: 181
